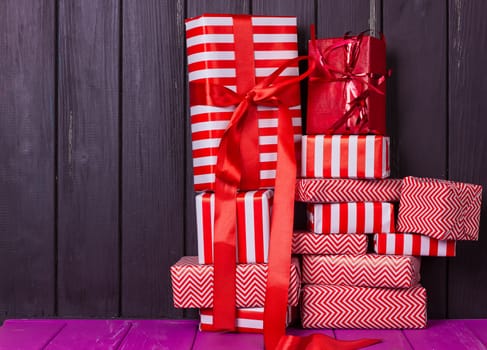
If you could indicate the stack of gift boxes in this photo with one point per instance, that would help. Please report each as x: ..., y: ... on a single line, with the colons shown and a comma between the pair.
x: 359, y: 262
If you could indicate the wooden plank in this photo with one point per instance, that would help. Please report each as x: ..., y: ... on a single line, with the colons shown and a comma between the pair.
x: 88, y: 255
x: 467, y: 273
x: 28, y: 334
x: 445, y: 335
x: 223, y: 341
x: 335, y: 18
x: 390, y: 339
x: 478, y: 327
x: 153, y: 146
x: 154, y: 334
x: 416, y: 95
x: 90, y: 334
x: 27, y: 168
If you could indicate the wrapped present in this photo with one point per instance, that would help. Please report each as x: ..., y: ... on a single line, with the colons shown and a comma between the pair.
x: 354, y: 217
x: 347, y: 190
x: 237, y: 52
x: 370, y: 270
x: 253, y: 226
x: 412, y: 244
x: 192, y: 284
x: 248, y: 320
x: 312, y: 243
x: 346, y: 92
x: 440, y: 209
x: 363, y: 307
x: 345, y: 156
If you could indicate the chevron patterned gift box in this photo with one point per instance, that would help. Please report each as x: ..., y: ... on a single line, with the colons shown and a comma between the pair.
x: 253, y: 226
x: 311, y: 243
x: 192, y: 284
x: 345, y: 156
x: 370, y: 270
x: 412, y: 244
x: 440, y: 209
x: 347, y: 190
x: 362, y: 307
x: 354, y: 217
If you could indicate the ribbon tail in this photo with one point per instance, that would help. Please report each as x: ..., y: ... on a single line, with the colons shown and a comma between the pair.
x: 322, y: 342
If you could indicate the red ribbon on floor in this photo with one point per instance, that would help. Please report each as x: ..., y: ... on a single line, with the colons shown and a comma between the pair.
x: 322, y: 342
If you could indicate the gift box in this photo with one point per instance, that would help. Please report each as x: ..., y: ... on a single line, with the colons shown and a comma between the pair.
x: 312, y: 243
x: 345, y: 156
x: 370, y: 270
x: 440, y: 209
x: 354, y: 217
x: 253, y: 226
x: 346, y: 92
x: 237, y: 52
x: 192, y: 284
x: 248, y: 320
x: 412, y: 244
x: 347, y: 190
x: 363, y: 307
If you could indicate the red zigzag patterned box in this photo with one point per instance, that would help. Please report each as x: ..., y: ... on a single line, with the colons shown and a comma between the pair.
x: 192, y: 284
x: 370, y: 270
x: 313, y: 243
x: 412, y: 244
x: 362, y: 307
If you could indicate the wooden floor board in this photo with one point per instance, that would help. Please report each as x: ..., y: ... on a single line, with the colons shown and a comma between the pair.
x: 390, y: 339
x: 28, y: 334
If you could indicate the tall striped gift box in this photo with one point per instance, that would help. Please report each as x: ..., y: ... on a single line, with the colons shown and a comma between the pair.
x: 219, y: 47
x: 354, y: 217
x: 412, y: 244
x: 253, y: 226
x: 345, y: 156
x: 363, y: 307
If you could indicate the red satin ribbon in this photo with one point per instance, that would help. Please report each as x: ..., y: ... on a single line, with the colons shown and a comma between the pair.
x: 322, y: 342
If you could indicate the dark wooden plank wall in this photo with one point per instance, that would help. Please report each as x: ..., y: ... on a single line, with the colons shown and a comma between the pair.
x: 93, y: 94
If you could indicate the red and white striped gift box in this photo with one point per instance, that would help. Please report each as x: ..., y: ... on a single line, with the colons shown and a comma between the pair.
x: 347, y: 190
x: 412, y: 244
x: 345, y: 156
x: 440, y: 209
x: 354, y: 217
x: 363, y: 307
x: 312, y: 243
x: 192, y: 284
x: 370, y: 270
x: 253, y: 226
x: 213, y: 54
x: 248, y: 320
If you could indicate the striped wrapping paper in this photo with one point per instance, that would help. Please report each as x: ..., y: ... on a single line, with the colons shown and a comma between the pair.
x: 354, y: 217
x: 212, y: 53
x: 248, y: 320
x: 345, y: 156
x: 312, y: 243
x: 412, y: 244
x: 253, y: 226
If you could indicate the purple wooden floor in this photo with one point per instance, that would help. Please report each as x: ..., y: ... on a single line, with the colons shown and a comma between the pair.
x: 184, y: 335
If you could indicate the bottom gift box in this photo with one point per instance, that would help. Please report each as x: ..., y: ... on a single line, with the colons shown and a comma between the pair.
x: 249, y: 320
x: 362, y: 307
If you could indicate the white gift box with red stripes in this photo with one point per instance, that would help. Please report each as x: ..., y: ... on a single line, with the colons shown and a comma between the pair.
x: 353, y: 217
x: 412, y: 244
x: 253, y: 226
x: 212, y: 53
x: 345, y: 156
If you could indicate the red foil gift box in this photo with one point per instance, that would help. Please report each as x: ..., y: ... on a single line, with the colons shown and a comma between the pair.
x: 440, y: 209
x: 253, y: 226
x: 412, y: 244
x: 313, y: 243
x: 346, y: 92
x: 192, y: 284
x: 217, y: 49
x: 363, y: 307
x: 369, y: 270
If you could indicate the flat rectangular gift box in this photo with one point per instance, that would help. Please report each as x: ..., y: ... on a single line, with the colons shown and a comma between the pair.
x: 354, y: 217
x: 217, y: 50
x: 412, y: 244
x: 440, y: 209
x: 345, y: 156
x: 347, y: 190
x: 313, y: 243
x: 192, y: 284
x: 370, y: 270
x: 253, y: 226
x: 362, y: 307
